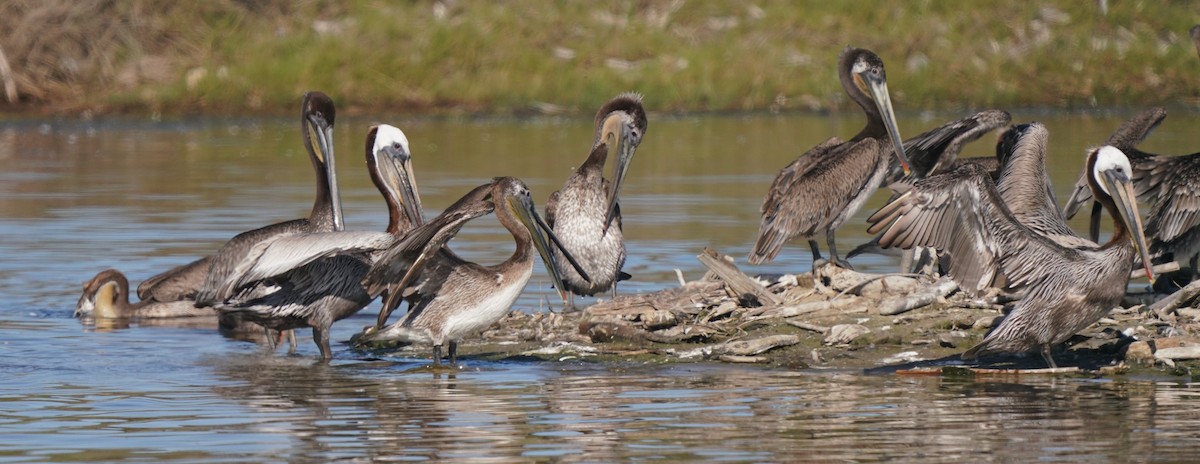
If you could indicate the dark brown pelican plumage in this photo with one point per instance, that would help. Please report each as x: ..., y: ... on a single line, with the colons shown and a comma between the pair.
x: 822, y: 188
x: 1066, y: 288
x: 468, y: 297
x: 314, y: 280
x: 106, y: 296
x: 585, y: 213
x: 1194, y: 34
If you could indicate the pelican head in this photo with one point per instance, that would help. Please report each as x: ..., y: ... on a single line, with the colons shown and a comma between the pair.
x: 317, y: 119
x: 621, y: 124
x: 390, y: 164
x: 1023, y: 138
x: 1111, y: 173
x: 102, y: 294
x: 868, y: 75
x: 518, y: 202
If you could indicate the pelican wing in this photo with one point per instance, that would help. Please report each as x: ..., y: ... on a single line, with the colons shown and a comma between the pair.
x: 962, y: 215
x: 813, y: 190
x: 1178, y: 210
x: 177, y: 284
x: 287, y: 253
x: 225, y: 262
x: 402, y: 261
x: 937, y: 149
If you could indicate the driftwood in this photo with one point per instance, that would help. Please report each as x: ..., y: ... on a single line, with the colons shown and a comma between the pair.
x: 981, y: 371
x: 1178, y: 353
x: 926, y: 297
x: 836, y: 304
x: 1140, y: 273
x: 806, y: 326
x: 738, y: 283
x: 868, y: 285
x: 1164, y: 307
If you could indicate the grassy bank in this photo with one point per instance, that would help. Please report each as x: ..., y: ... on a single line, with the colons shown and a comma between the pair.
x: 455, y: 57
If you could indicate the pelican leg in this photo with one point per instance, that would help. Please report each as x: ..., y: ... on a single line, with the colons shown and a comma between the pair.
x: 906, y: 260
x: 453, y: 353
x: 437, y: 355
x: 1048, y: 357
x: 1192, y: 263
x: 833, y: 255
x: 321, y: 336
x: 270, y: 338
x: 816, y: 251
x: 291, y: 338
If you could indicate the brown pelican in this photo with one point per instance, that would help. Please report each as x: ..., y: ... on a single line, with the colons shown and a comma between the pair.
x: 313, y: 280
x: 326, y: 216
x: 1168, y: 183
x: 468, y: 297
x: 106, y: 296
x: 1066, y: 288
x: 1147, y: 187
x: 582, y: 212
x: 821, y: 189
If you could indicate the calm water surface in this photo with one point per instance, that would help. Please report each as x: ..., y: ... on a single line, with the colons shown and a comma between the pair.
x: 79, y: 197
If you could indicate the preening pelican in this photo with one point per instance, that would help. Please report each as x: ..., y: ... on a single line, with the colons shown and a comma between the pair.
x: 585, y: 213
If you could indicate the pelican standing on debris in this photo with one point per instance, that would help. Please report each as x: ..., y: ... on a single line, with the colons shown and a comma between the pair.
x: 106, y: 296
x: 314, y: 280
x: 1067, y: 288
x: 585, y: 213
x: 469, y: 297
x: 316, y: 124
x: 824, y: 187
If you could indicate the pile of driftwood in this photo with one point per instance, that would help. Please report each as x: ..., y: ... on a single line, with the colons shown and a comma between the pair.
x: 831, y: 317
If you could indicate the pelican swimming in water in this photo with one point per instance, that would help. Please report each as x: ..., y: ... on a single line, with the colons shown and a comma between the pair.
x: 585, y: 213
x: 106, y: 296
x: 313, y: 280
x: 822, y: 188
x: 468, y: 297
x: 1066, y: 288
x: 316, y: 123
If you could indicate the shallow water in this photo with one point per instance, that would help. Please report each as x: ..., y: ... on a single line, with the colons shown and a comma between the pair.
x: 79, y: 197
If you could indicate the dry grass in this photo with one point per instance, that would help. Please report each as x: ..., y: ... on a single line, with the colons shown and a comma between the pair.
x: 452, y: 56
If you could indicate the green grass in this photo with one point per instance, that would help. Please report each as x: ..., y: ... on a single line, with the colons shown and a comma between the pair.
x: 512, y: 57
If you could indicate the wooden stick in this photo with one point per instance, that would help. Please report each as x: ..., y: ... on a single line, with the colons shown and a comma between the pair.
x: 738, y: 282
x: 1164, y: 307
x: 1140, y: 273
x: 903, y: 304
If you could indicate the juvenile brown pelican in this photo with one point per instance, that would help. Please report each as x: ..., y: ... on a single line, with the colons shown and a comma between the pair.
x: 1066, y: 288
x: 585, y: 213
x: 468, y: 297
x: 106, y: 296
x: 824, y: 187
x: 314, y: 280
x: 326, y: 216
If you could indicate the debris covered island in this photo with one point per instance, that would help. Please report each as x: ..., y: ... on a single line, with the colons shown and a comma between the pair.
x: 832, y: 318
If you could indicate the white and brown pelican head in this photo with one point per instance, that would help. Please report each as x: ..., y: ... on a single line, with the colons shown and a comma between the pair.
x: 865, y: 80
x: 389, y: 162
x: 1112, y: 186
x: 105, y: 296
x: 621, y: 124
x: 316, y: 121
x: 511, y: 195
